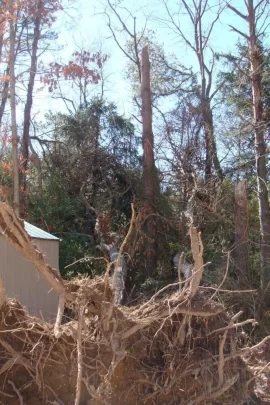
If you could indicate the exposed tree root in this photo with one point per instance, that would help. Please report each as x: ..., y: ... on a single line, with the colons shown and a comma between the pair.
x: 60, y: 312
x: 174, y: 348
x: 136, y: 356
x: 17, y: 392
x: 79, y: 356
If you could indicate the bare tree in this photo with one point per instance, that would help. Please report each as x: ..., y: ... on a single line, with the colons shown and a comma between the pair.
x: 12, y: 40
x: 255, y: 29
x: 149, y: 170
x: 150, y: 179
x: 29, y: 102
x: 198, y: 42
x: 129, y: 32
x: 5, y: 85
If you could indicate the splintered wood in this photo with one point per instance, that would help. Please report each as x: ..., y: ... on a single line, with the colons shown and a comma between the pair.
x: 197, y: 252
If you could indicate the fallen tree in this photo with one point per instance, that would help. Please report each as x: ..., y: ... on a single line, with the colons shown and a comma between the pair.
x: 169, y: 350
x: 178, y: 347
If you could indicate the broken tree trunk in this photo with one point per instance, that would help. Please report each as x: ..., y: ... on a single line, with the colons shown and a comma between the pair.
x: 116, y: 256
x: 260, y: 146
x: 120, y: 273
x: 241, y: 232
x: 255, y: 63
x: 149, y: 170
x: 197, y: 253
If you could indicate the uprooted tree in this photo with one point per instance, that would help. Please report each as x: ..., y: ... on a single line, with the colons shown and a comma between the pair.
x: 113, y: 354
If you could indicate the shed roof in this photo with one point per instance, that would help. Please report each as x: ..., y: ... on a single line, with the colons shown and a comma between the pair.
x: 37, y: 233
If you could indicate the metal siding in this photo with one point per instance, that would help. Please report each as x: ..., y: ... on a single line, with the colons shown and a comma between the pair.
x: 23, y: 282
x: 38, y: 233
x: 47, y: 299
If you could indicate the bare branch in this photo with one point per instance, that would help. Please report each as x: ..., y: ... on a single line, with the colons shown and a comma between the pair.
x: 224, y: 277
x: 211, y: 27
x: 191, y: 15
x: 178, y: 29
x: 245, y: 17
x: 217, y: 89
x: 137, y: 51
x: 239, y: 32
x: 86, y: 202
x: 117, y: 42
x: 259, y: 4
x: 120, y: 19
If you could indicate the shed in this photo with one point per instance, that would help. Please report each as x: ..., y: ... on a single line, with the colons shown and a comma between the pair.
x: 22, y: 281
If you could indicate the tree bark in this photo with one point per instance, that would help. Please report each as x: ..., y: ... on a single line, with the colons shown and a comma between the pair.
x: 4, y: 97
x: 12, y: 40
x: 120, y: 273
x: 211, y: 157
x: 28, y: 107
x: 37, y: 162
x: 260, y: 147
x: 149, y: 169
x: 197, y: 253
x: 241, y: 233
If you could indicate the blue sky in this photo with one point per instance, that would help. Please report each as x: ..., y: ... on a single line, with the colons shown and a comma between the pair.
x: 85, y: 25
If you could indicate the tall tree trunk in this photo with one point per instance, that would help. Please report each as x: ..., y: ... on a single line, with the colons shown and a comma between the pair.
x: 12, y: 40
x: 96, y: 167
x: 260, y: 147
x: 211, y: 159
x: 149, y: 169
x: 241, y: 233
x: 4, y: 97
x: 37, y: 162
x: 28, y: 107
